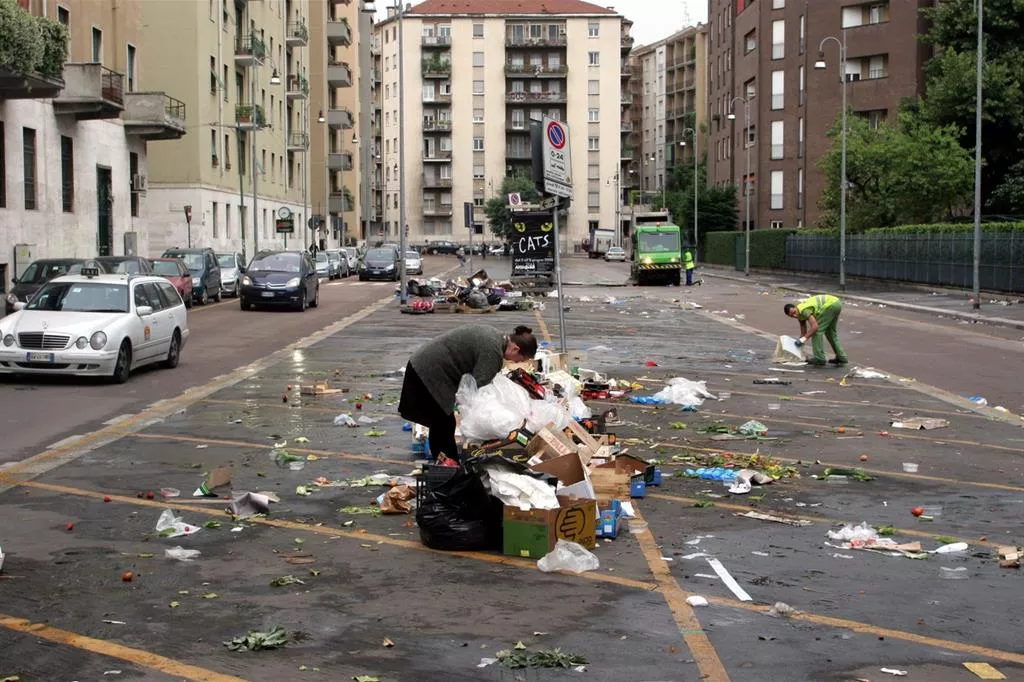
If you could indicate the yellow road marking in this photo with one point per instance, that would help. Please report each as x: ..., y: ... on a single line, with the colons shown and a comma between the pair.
x: 545, y: 334
x: 114, y: 650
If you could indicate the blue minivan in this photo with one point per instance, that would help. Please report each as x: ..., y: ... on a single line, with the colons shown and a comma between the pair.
x: 202, y: 264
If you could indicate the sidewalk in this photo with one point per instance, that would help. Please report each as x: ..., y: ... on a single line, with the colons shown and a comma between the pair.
x: 1007, y: 311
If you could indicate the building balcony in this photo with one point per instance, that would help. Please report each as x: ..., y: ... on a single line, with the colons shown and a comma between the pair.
x: 435, y: 126
x: 297, y: 35
x: 437, y: 98
x: 33, y: 70
x: 627, y: 43
x: 515, y: 127
x: 536, y: 71
x: 518, y: 154
x: 376, y: 76
x: 340, y: 118
x: 435, y: 182
x: 625, y: 71
x: 545, y: 97
x: 28, y: 86
x: 339, y: 75
x: 626, y: 101
x: 298, y: 88
x: 249, y: 50
x: 437, y: 157
x: 435, y: 41
x: 339, y: 33
x: 249, y: 117
x: 298, y: 142
x: 626, y: 128
x: 517, y: 42
x: 91, y: 91
x: 339, y: 161
x: 437, y: 211
x: 626, y: 154
x: 437, y: 68
x: 340, y: 201
x: 153, y: 116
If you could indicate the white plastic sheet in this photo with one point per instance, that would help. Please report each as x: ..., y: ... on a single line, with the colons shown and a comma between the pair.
x: 787, y: 350
x: 684, y: 392
x: 520, y: 491
x: 544, y: 412
x: 569, y: 556
x: 492, y: 411
x: 171, y: 526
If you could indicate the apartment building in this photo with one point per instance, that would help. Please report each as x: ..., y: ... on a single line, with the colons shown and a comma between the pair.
x: 671, y: 109
x: 342, y: 80
x: 475, y: 74
x: 762, y: 56
x: 74, y: 133
x: 241, y: 68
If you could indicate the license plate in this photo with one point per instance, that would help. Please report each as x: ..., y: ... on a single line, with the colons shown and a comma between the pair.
x: 268, y: 294
x: 39, y: 357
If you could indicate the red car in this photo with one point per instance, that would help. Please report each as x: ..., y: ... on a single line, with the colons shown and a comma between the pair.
x: 177, y: 274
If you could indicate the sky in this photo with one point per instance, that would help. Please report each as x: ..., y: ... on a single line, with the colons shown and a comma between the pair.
x: 652, y: 19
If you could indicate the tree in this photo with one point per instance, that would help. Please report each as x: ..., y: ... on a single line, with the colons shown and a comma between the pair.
x: 902, y: 172
x: 716, y: 210
x: 950, y: 87
x: 496, y: 208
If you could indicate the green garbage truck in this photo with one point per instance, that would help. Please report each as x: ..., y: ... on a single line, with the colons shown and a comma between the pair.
x: 656, y: 242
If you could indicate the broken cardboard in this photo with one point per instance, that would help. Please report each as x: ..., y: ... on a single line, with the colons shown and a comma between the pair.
x: 533, y: 533
x: 570, y: 472
x: 920, y: 424
x: 548, y: 443
x: 217, y: 478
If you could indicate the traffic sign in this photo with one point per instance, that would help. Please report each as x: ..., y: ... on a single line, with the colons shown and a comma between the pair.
x: 514, y: 200
x: 557, y: 159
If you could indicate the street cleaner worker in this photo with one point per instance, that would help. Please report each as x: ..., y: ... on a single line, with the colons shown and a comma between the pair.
x: 819, y: 317
x: 689, y: 264
x: 434, y: 372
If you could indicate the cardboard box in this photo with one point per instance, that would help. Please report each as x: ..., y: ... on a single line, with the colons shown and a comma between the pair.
x: 532, y: 534
x: 569, y: 470
x: 609, y: 484
x: 549, y: 444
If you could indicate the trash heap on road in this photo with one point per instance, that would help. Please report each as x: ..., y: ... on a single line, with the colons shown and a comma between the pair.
x: 475, y: 294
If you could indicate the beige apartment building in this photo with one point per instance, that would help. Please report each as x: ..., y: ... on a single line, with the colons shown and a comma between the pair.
x: 669, y: 109
x: 74, y: 133
x: 475, y: 73
x: 241, y: 68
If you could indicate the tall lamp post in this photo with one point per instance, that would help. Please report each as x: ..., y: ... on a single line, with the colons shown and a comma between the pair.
x: 820, y: 64
x: 696, y: 233
x: 977, y: 156
x: 746, y: 176
x: 618, y: 206
x: 403, y: 295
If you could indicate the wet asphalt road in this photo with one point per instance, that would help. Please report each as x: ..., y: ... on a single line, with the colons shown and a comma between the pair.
x: 373, y: 580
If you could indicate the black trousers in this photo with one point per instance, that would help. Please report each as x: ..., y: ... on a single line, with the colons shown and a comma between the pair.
x: 418, y: 406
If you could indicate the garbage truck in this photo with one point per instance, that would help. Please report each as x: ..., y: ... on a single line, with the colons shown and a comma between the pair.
x: 599, y: 242
x: 656, y: 242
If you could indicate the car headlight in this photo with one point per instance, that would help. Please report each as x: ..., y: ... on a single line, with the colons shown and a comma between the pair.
x: 390, y: 267
x: 647, y: 260
x: 9, y: 340
x: 12, y: 299
x: 195, y: 281
x: 293, y: 282
x: 674, y: 259
x: 98, y: 340
x: 246, y: 281
x: 82, y: 342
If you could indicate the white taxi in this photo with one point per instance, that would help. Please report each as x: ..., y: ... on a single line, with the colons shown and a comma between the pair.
x: 95, y: 325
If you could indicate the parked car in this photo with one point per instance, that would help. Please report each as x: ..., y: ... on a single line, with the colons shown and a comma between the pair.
x: 441, y: 246
x: 125, y: 265
x: 379, y: 264
x: 615, y: 253
x: 352, y: 254
x: 175, y: 272
x: 202, y: 263
x: 339, y: 262
x: 413, y: 263
x: 95, y: 325
x: 496, y: 249
x: 323, y: 265
x: 280, y: 278
x: 231, y: 270
x: 38, y: 273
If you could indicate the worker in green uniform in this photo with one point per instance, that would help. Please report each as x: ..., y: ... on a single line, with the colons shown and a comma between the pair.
x: 689, y: 265
x: 819, y: 317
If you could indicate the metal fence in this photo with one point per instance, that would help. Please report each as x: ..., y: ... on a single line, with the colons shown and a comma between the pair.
x: 928, y: 258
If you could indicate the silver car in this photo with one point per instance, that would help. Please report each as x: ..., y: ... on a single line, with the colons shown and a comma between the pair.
x: 338, y: 265
x: 323, y: 265
x: 352, y: 254
x: 413, y: 263
x: 231, y: 270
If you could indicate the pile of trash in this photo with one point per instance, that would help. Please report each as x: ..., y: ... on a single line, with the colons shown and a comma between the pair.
x: 478, y: 293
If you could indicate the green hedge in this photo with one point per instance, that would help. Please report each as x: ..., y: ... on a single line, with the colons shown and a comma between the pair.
x: 947, y: 228
x: 767, y: 247
x: 720, y: 247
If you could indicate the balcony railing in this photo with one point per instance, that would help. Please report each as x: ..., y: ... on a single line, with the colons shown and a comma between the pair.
x: 555, y: 97
x: 437, y: 68
x: 435, y: 126
x: 435, y: 181
x: 154, y: 116
x: 626, y: 128
x: 437, y: 98
x: 298, y: 142
x: 518, y: 153
x: 251, y: 47
x: 435, y: 41
x: 91, y: 91
x: 298, y: 86
x: 537, y: 70
x: 518, y: 41
x: 249, y: 116
x: 298, y: 33
x: 877, y: 73
x: 437, y: 156
x: 339, y: 32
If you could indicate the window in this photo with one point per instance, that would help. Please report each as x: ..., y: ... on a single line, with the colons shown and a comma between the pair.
x: 594, y: 58
x: 594, y: 172
x: 751, y: 135
x: 97, y: 45
x: 64, y: 16
x: 778, y: 89
x: 130, y: 69
x: 800, y: 137
x: 593, y: 200
x: 593, y: 144
x: 478, y: 30
x: 877, y: 66
x: 875, y: 117
x: 593, y: 29
x: 802, y: 91
x: 478, y: 116
x: 594, y: 87
x: 67, y: 173
x: 227, y: 220
x: 750, y: 42
x: 778, y: 4
x: 778, y: 39
x: 478, y: 59
x: 28, y: 142
x: 800, y: 188
x: 593, y: 115
x: 778, y: 128
x: 478, y: 87
x: 776, y: 195
x: 863, y: 15
x: 478, y: 144
x: 775, y: 224
x: 878, y: 13
x: 133, y: 171
x: 478, y: 172
x: 518, y: 119
x: 428, y: 92
x: 216, y: 220
x: 750, y: 89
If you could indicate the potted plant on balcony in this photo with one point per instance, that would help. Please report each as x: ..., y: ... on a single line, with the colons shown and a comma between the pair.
x: 30, y: 44
x: 244, y: 113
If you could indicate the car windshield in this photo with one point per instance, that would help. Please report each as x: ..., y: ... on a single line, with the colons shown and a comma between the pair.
x: 332, y: 256
x: 660, y: 242
x: 321, y: 257
x: 86, y: 297
x: 615, y: 249
x: 412, y: 254
x: 226, y: 260
x: 37, y: 273
x: 193, y: 261
x: 122, y: 267
x: 380, y: 254
x: 167, y: 268
x: 276, y: 262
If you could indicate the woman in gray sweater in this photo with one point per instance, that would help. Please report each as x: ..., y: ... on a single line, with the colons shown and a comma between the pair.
x: 434, y: 372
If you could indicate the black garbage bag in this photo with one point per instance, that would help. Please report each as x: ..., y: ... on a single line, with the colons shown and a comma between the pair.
x: 476, y: 300
x: 458, y: 514
x: 494, y: 298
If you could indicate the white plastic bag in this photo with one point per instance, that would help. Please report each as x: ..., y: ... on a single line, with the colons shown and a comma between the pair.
x: 568, y: 556
x: 579, y: 409
x: 181, y: 554
x: 171, y: 526
x: 682, y: 391
x: 345, y: 420
x: 544, y: 412
x: 493, y: 411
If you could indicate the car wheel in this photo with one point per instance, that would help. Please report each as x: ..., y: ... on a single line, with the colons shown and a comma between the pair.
x: 219, y: 296
x: 316, y: 298
x: 123, y: 366
x: 174, y: 352
x: 242, y: 303
x: 302, y: 302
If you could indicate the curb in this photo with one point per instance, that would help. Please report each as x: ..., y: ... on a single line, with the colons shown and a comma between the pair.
x: 970, y: 317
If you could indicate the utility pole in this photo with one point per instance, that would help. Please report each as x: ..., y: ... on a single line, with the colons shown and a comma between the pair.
x: 977, y: 156
x: 403, y: 296
x: 252, y: 167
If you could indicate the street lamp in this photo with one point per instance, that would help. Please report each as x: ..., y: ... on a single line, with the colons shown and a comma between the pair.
x: 403, y: 296
x: 820, y: 64
x: 696, y: 234
x: 320, y: 117
x: 977, y: 156
x: 746, y: 177
x: 618, y: 207
x: 275, y: 79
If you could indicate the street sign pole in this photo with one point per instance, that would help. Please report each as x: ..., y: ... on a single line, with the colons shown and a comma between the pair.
x: 557, y: 173
x: 188, y: 221
x: 558, y: 284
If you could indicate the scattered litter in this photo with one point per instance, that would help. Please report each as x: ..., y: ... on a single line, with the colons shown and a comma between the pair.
x: 246, y: 504
x: 1, y: 558
x: 219, y: 477
x: 519, y: 490
x: 773, y: 381
x: 812, y: 392
x: 396, y: 500
x: 519, y: 658
x: 484, y: 662
x: 782, y: 610
x: 115, y: 622
x: 729, y: 581
x: 360, y: 510
x: 286, y: 580
x: 111, y: 672
x: 756, y: 553
x: 921, y: 424
x: 171, y: 526
x: 345, y: 419
x: 978, y: 400
x: 678, y: 391
x: 910, y: 467
x: 894, y: 671
x: 953, y: 573
x: 256, y: 641
x: 569, y: 556
x: 181, y: 554
x: 746, y: 478
x: 951, y: 548
x: 1009, y: 556
x: 777, y: 519
x: 837, y: 555
x: 170, y: 492
x: 985, y: 671
x: 753, y: 428
x: 367, y: 420
x: 696, y: 600
x: 786, y: 350
x: 866, y: 373
x: 864, y: 537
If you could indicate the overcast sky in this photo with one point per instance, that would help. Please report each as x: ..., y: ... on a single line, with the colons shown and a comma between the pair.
x: 652, y: 19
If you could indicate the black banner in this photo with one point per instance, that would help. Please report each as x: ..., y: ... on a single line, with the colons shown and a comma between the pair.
x: 533, y: 244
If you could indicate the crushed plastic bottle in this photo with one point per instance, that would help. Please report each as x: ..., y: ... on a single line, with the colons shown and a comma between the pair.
x: 712, y: 473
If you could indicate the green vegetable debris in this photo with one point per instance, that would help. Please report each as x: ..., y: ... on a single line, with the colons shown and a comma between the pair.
x: 257, y: 641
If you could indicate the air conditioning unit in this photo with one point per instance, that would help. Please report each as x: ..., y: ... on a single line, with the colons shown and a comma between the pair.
x: 139, y: 183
